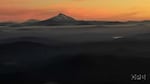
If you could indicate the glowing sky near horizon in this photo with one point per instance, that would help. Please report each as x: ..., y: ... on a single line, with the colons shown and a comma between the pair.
x: 122, y: 10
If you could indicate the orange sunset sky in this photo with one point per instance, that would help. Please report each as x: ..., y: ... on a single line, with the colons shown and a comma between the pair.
x: 122, y: 10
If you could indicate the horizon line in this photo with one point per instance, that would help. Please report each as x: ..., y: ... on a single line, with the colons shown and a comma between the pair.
x: 77, y: 19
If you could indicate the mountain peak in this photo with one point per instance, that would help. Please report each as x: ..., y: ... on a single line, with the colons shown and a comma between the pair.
x: 62, y: 18
x: 61, y: 14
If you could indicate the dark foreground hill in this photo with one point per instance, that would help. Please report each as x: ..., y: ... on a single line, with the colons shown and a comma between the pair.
x: 114, y: 62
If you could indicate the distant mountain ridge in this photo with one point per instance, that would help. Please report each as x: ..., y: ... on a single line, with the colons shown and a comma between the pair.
x: 62, y: 19
x: 7, y: 23
x: 31, y: 21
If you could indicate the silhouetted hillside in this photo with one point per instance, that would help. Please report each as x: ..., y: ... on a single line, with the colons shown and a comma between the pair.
x: 60, y: 19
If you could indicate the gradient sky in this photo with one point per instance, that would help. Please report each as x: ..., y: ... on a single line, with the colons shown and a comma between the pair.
x: 122, y: 10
